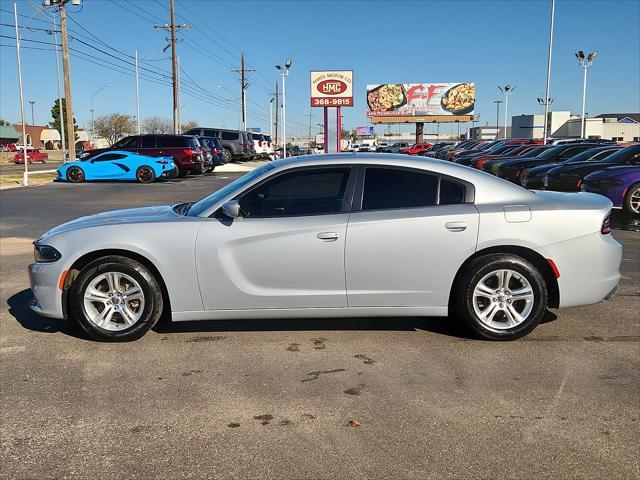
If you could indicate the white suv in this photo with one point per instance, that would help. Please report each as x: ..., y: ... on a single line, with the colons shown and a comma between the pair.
x: 270, y: 149
x: 262, y: 144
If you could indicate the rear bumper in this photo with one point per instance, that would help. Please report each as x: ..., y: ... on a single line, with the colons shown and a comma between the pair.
x: 589, y: 268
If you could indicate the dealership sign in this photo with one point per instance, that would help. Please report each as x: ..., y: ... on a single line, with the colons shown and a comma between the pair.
x: 420, y: 99
x: 332, y: 88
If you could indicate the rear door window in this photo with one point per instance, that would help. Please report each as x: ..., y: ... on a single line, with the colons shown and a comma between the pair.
x: 390, y: 188
x: 230, y: 136
x: 148, y: 142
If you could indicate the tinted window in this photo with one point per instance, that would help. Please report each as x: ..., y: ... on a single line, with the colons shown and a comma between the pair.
x: 230, y: 136
x: 626, y: 155
x: 570, y: 152
x: 127, y: 142
x: 211, y: 133
x: 392, y: 188
x: 307, y: 192
x: 169, y: 142
x: 451, y: 193
x: 108, y: 157
x: 148, y: 142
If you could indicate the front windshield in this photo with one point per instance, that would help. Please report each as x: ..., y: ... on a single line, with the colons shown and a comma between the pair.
x: 203, y: 205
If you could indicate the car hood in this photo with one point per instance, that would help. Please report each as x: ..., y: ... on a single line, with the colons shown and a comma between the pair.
x: 155, y: 214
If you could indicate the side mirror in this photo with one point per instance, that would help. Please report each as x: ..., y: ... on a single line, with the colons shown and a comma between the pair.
x: 231, y: 209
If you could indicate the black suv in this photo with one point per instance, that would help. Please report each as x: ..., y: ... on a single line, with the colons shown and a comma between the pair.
x: 236, y: 144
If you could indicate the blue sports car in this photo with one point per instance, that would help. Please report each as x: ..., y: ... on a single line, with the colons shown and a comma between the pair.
x: 118, y: 165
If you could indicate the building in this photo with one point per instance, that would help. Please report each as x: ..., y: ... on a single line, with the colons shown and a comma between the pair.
x: 8, y: 135
x: 532, y: 126
x: 488, y: 133
x: 621, y: 127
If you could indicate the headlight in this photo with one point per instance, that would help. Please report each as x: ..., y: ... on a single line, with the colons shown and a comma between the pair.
x: 45, y: 253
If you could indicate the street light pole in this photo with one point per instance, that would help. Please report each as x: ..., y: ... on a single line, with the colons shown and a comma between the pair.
x: 506, y: 91
x: 92, y: 109
x: 585, y: 63
x: 137, y: 95
x: 284, y: 72
x: 497, y: 102
x: 33, y: 122
x: 547, y: 93
x: 271, y: 118
x: 25, y: 176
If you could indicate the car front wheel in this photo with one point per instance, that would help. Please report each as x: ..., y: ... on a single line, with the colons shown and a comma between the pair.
x: 115, y: 298
x: 226, y: 155
x: 75, y: 175
x: 501, y: 297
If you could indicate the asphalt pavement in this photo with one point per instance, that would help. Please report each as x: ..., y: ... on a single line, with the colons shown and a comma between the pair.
x: 274, y: 399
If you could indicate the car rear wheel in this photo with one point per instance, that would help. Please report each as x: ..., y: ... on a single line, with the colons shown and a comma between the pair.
x: 632, y: 199
x: 226, y: 155
x: 75, y: 175
x: 115, y: 298
x: 501, y: 297
x: 145, y: 174
x: 182, y: 173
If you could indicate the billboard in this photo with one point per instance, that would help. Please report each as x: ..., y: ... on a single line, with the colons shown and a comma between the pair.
x: 420, y: 99
x: 332, y: 88
x: 364, y: 131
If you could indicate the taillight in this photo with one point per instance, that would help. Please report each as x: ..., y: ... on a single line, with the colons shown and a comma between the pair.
x: 188, y: 151
x: 218, y: 152
x: 268, y: 144
x: 259, y: 143
x: 163, y: 162
x: 606, y: 227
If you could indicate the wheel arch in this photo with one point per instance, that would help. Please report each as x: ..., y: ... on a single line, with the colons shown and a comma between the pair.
x: 87, y: 258
x: 529, y: 254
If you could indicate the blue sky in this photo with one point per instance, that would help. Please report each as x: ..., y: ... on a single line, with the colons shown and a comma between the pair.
x: 487, y: 42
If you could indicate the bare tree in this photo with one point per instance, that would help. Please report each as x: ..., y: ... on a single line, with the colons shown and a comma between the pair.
x: 156, y: 125
x: 113, y: 126
x: 189, y: 125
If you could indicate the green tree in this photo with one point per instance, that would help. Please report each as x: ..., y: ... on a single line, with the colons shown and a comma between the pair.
x: 3, y: 123
x: 55, y: 124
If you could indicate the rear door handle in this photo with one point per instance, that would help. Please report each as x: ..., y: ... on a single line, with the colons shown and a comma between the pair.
x: 327, y: 236
x: 456, y: 226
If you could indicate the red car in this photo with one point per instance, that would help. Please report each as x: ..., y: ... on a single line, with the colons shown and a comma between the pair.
x: 417, y: 148
x: 33, y: 155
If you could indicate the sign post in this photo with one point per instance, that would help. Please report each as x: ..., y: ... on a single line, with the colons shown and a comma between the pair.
x: 332, y: 90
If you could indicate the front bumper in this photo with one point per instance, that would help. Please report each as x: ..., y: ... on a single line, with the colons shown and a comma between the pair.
x: 566, y: 184
x: 44, y: 279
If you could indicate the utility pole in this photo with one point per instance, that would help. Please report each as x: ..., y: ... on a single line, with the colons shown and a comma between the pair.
x: 67, y: 83
x: 243, y: 85
x: 310, y: 116
x: 172, y: 27
x: 277, y: 108
x: 62, y: 129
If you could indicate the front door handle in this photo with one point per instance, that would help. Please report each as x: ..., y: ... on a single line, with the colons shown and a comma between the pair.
x: 328, y: 236
x: 456, y: 226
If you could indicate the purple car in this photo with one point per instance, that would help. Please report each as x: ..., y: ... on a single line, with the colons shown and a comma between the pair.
x: 620, y: 184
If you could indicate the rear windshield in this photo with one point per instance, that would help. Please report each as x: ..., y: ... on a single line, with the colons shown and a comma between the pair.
x: 267, y: 138
x: 258, y: 137
x: 230, y: 136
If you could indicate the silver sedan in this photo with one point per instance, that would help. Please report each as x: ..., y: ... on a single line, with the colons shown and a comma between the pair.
x: 332, y: 236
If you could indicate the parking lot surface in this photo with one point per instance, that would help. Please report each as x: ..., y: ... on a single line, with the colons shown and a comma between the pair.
x: 273, y: 399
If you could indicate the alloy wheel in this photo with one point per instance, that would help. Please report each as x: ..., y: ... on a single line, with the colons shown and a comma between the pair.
x: 634, y: 200
x: 503, y: 299
x: 113, y: 301
x: 145, y: 175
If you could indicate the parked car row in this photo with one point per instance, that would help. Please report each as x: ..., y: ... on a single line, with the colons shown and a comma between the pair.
x: 599, y: 166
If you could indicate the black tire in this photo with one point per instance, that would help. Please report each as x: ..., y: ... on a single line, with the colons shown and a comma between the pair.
x: 633, y: 190
x: 463, y: 297
x: 182, y: 173
x: 153, y: 303
x: 75, y: 175
x: 145, y: 174
x: 227, y: 156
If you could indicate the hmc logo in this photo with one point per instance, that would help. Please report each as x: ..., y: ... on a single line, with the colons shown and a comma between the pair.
x: 331, y: 87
